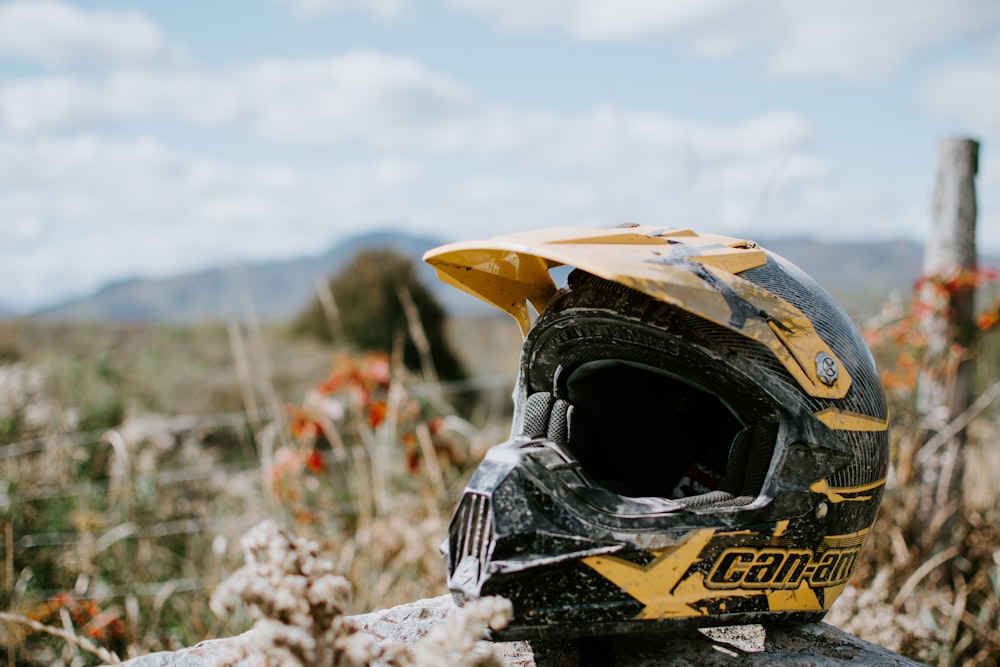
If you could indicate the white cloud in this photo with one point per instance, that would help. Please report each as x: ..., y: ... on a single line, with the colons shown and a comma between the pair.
x: 90, y: 209
x: 94, y: 209
x: 61, y: 102
x: 26, y: 229
x: 359, y: 95
x: 387, y: 10
x: 387, y: 102
x: 852, y: 40
x: 381, y: 99
x: 595, y: 161
x: 57, y: 33
x: 847, y: 40
x: 861, y: 40
x: 593, y: 20
x: 968, y: 93
x: 81, y: 211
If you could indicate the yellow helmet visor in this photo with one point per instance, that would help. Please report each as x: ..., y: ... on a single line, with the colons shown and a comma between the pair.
x: 695, y: 272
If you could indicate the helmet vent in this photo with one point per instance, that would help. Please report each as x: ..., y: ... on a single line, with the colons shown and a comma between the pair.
x: 472, y: 537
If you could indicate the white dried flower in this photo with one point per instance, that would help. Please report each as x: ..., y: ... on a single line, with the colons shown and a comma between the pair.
x: 457, y: 641
x: 298, y: 604
x: 357, y: 647
x: 296, y: 599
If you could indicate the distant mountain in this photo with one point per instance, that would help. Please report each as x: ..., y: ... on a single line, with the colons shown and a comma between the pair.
x: 276, y: 290
x: 851, y: 266
x: 859, y: 275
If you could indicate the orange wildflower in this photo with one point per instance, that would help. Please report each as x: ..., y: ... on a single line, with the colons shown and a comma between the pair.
x: 988, y: 320
x: 376, y: 413
x: 314, y: 461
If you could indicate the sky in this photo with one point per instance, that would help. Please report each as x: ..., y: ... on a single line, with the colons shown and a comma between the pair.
x: 152, y: 138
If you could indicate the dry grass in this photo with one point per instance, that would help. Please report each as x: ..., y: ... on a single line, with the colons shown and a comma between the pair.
x: 939, y: 605
x: 123, y: 519
x: 129, y: 470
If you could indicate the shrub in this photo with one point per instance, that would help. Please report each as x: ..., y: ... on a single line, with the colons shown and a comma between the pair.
x: 371, y: 315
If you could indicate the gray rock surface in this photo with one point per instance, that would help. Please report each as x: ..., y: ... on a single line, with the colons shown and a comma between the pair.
x: 815, y: 644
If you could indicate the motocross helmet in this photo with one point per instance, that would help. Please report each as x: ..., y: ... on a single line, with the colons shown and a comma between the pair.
x: 700, y: 436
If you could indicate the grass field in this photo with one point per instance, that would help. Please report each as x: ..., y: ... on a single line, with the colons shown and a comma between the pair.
x: 133, y: 458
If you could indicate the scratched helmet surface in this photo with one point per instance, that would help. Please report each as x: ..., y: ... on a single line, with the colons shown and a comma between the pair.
x: 699, y: 437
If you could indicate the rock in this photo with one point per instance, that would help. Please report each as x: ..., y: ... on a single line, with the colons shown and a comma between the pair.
x: 203, y: 654
x: 815, y: 644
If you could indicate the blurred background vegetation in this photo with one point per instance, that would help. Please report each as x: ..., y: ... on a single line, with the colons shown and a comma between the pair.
x: 134, y: 456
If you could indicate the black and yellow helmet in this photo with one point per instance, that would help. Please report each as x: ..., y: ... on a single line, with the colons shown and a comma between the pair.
x: 700, y: 436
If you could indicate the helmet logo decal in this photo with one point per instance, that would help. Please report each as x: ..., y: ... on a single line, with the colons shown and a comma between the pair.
x: 844, y: 420
x: 774, y: 568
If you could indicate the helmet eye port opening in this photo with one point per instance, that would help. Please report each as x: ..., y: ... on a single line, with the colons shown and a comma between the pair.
x: 638, y: 431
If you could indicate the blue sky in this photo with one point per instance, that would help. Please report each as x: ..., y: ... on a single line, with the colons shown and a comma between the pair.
x: 152, y: 138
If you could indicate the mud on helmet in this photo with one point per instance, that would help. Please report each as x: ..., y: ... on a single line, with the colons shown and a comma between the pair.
x: 699, y: 437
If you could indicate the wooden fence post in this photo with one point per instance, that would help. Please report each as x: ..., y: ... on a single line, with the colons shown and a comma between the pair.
x: 947, y: 293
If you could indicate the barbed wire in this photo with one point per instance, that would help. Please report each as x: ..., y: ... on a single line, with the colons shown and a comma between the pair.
x: 130, y: 530
x: 175, y: 425
x: 141, y: 590
x: 191, y: 422
x: 162, y: 478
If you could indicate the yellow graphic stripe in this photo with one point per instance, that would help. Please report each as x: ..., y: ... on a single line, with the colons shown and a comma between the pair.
x: 843, y: 420
x: 802, y: 598
x: 832, y: 593
x: 840, y: 494
x: 653, y: 584
x: 778, y: 324
x: 848, y: 540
